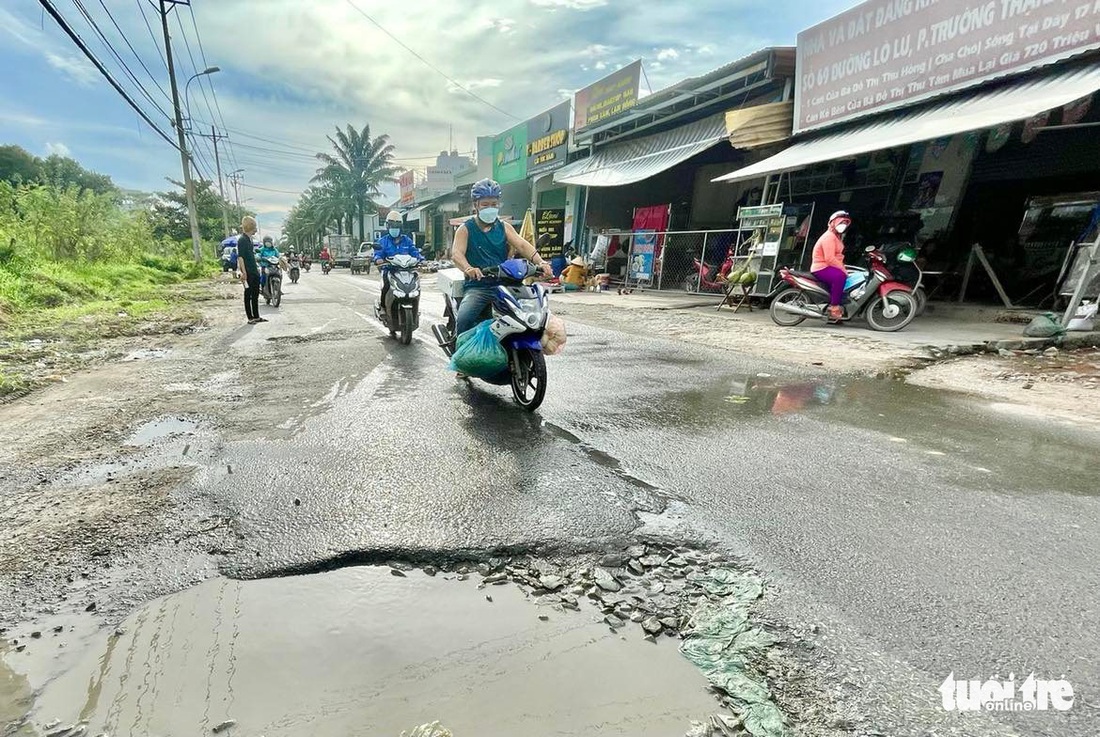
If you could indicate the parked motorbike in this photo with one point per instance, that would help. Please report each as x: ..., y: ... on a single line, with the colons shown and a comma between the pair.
x: 887, y: 304
x: 707, y: 277
x: 519, y: 316
x: 401, y: 311
x: 326, y: 267
x: 272, y: 289
x: 295, y: 272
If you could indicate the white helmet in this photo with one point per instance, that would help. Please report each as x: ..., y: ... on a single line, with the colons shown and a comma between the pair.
x: 393, y: 217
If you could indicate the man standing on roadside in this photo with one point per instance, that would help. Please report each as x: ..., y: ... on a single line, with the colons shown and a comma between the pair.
x: 248, y: 271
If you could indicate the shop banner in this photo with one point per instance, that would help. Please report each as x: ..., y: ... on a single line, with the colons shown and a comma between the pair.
x: 548, y: 140
x: 551, y: 222
x: 611, y: 96
x: 887, y: 53
x: 510, y: 155
x: 407, y: 182
x: 642, y: 255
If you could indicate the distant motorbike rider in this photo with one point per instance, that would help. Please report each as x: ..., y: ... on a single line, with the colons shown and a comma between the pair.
x: 325, y: 256
x: 267, y: 250
x: 485, y: 242
x: 391, y: 244
x: 828, y: 261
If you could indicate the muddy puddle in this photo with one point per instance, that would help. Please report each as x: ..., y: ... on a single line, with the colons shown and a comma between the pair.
x: 361, y: 651
x: 162, y: 428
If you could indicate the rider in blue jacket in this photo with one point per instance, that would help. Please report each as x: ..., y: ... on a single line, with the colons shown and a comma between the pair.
x: 394, y: 242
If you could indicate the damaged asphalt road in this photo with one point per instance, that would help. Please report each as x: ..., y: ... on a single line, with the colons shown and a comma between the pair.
x: 902, y: 534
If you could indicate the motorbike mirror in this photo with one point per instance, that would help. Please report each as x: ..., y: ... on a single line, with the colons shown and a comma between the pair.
x: 870, y: 249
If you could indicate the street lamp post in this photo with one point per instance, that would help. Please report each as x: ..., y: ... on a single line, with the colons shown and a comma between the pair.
x: 187, y: 87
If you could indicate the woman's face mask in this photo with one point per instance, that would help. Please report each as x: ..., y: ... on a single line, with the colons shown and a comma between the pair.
x: 395, y: 232
x: 488, y: 215
x: 841, y: 227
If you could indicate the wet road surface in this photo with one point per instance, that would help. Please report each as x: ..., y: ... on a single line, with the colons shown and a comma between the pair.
x: 919, y: 533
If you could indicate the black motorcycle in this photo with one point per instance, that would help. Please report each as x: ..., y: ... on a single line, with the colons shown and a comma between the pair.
x: 295, y: 271
x: 272, y: 289
x: 400, y: 312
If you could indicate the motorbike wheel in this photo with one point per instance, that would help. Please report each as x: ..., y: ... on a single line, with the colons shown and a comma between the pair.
x: 404, y: 326
x: 892, y: 312
x: 922, y: 300
x: 790, y: 295
x: 276, y: 292
x: 529, y: 378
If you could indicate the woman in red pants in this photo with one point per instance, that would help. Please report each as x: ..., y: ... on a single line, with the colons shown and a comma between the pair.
x: 828, y: 261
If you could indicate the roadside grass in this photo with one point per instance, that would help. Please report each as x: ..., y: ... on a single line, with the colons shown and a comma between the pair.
x: 50, y: 311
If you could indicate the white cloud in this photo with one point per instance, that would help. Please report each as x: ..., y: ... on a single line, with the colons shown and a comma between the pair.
x: 596, y: 50
x: 58, y: 148
x: 75, y: 68
x: 668, y: 54
x: 601, y: 64
x: 571, y: 4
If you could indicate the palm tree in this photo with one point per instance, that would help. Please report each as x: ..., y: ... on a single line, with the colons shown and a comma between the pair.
x: 360, y: 166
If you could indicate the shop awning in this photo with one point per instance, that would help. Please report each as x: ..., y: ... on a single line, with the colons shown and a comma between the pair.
x: 760, y: 125
x: 633, y: 161
x: 413, y: 214
x: 972, y: 112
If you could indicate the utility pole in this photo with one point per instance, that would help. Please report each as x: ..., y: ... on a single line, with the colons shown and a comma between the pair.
x: 196, y: 241
x: 235, y: 177
x: 215, y: 137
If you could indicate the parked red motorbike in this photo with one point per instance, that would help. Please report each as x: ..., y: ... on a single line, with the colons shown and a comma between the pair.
x: 887, y: 304
x: 706, y: 278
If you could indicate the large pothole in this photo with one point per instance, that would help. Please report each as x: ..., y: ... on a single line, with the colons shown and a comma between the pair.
x: 503, y: 647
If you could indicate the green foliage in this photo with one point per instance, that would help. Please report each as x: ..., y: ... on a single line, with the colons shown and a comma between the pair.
x: 171, y: 221
x: 17, y: 166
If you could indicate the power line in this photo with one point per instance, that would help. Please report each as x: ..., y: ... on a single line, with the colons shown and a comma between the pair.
x: 268, y: 189
x: 156, y: 43
x: 125, y: 67
x: 428, y: 64
x: 134, y: 51
x: 48, y: 6
x: 213, y: 90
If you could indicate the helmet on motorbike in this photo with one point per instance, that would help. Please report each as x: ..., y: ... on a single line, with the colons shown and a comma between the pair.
x: 485, y: 189
x: 393, y: 217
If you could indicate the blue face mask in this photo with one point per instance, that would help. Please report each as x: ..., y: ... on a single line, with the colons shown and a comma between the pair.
x: 395, y: 232
x: 488, y: 215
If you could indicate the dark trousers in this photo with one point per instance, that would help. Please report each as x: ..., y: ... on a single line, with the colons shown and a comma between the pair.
x: 252, y: 297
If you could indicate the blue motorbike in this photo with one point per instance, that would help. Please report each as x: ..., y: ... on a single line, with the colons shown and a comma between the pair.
x: 519, y: 313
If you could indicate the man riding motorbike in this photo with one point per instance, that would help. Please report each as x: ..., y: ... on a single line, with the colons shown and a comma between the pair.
x: 325, y: 255
x: 485, y: 242
x: 390, y: 245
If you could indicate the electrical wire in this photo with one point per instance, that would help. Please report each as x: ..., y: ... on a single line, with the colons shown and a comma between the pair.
x: 134, y: 51
x: 153, y: 36
x: 49, y: 8
x: 118, y: 57
x: 428, y: 64
x: 213, y: 90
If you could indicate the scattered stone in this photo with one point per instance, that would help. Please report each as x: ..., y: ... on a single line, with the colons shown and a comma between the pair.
x: 36, y: 635
x: 463, y: 570
x: 224, y: 726
x: 1029, y: 385
x: 614, y: 622
x: 636, y: 551
x: 1004, y: 353
x: 570, y: 602
x: 613, y: 560
x: 652, y: 626
x: 90, y: 607
x: 544, y: 618
x: 401, y: 565
x: 677, y: 562
x: 606, y: 581
x: 670, y: 622
x: 637, y: 616
x: 297, y: 502
x: 430, y: 570
x: 463, y: 577
x: 636, y: 567
x: 551, y: 583
x: 1052, y: 351
x: 496, y: 578
x: 59, y: 628
x: 489, y: 599
x: 51, y: 724
x: 399, y: 574
x: 650, y: 638
x: 20, y: 648
x: 484, y: 569
x: 653, y: 561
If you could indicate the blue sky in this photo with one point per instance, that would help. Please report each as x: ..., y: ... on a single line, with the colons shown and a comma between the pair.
x: 294, y: 69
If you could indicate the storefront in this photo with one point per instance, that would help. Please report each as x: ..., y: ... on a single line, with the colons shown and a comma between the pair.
x: 940, y: 126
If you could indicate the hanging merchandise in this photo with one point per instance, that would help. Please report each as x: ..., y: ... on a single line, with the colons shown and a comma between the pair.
x: 998, y: 137
x: 1074, y: 112
x: 1033, y: 125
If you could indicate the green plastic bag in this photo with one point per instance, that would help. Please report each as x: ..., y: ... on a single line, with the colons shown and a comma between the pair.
x: 478, y: 353
x: 1044, y: 326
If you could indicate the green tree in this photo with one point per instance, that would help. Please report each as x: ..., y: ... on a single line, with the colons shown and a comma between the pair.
x: 17, y: 165
x: 171, y: 221
x: 360, y: 166
x: 61, y: 171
